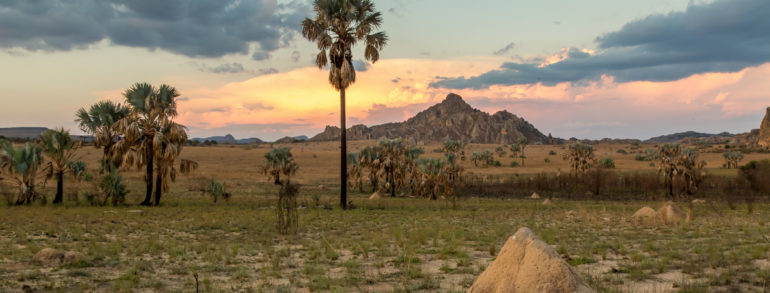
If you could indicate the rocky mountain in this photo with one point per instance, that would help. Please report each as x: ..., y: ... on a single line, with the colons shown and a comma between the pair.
x: 764, y: 130
x: 690, y: 135
x: 450, y: 119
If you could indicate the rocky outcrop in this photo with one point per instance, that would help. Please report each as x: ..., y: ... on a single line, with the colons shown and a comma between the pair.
x: 527, y: 264
x: 764, y: 130
x: 451, y: 119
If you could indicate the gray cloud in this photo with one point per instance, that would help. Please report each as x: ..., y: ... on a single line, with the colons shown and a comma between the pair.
x: 505, y: 49
x: 723, y: 36
x: 295, y: 56
x: 226, y: 68
x: 233, y: 68
x: 360, y: 65
x: 194, y: 28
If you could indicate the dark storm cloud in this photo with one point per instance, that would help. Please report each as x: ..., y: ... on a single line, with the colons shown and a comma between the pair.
x: 724, y: 36
x: 194, y: 28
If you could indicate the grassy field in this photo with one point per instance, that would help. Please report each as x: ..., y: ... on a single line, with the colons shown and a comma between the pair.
x: 385, y: 245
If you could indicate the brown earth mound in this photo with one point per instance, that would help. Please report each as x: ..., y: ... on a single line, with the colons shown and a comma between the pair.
x: 535, y: 195
x: 53, y: 257
x: 527, y: 264
x: 646, y: 214
x: 670, y: 213
x: 547, y: 202
x: 376, y: 195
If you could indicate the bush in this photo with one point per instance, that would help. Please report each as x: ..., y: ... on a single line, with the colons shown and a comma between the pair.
x: 547, y: 160
x: 607, y: 163
x: 622, y: 151
x: 552, y: 153
x: 756, y: 173
x: 514, y: 164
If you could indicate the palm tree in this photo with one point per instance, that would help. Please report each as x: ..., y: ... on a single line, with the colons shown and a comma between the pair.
x: 60, y: 149
x: 22, y: 164
x: 168, y: 146
x: 100, y: 121
x: 281, y: 162
x: 149, y: 132
x: 337, y: 27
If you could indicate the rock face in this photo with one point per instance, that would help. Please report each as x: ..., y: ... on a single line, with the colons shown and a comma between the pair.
x: 527, y: 264
x: 764, y: 130
x: 451, y: 119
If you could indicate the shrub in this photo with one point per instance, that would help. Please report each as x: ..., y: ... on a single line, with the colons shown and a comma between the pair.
x: 547, y: 160
x: 607, y: 163
x: 551, y: 153
x: 514, y: 164
x: 622, y: 151
x: 756, y: 173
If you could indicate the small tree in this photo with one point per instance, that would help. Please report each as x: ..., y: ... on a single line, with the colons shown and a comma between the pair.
x: 522, y: 145
x: 733, y: 159
x: 217, y: 190
x: 608, y: 163
x: 22, y: 166
x: 580, y: 157
x: 669, y: 155
x: 280, y: 163
x: 60, y: 149
x: 500, y: 151
x: 486, y: 158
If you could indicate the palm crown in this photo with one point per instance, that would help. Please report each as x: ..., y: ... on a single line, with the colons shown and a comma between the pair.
x: 338, y: 26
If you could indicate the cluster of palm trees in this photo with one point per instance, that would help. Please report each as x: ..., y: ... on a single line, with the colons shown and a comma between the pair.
x: 142, y: 133
x: 392, y: 166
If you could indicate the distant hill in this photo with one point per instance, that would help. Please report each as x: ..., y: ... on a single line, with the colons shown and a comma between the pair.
x: 689, y: 135
x: 228, y: 139
x: 451, y: 119
x: 289, y: 139
x: 22, y: 132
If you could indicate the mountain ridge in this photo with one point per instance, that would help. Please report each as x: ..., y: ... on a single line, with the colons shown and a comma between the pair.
x: 452, y: 119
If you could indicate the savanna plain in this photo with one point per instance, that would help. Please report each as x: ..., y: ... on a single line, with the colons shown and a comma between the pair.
x: 390, y: 244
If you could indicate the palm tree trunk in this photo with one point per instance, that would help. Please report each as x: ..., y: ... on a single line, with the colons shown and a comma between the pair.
x: 59, y: 187
x: 343, y: 154
x: 158, y: 188
x: 149, y: 158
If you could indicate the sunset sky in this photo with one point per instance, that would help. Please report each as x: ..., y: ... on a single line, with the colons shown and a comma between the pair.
x: 586, y: 69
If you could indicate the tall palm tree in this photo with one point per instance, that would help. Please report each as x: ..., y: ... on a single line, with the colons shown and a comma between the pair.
x: 22, y: 165
x: 152, y: 112
x: 337, y: 27
x: 100, y: 121
x: 60, y: 149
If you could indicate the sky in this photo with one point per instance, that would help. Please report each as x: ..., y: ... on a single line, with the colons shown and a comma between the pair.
x: 586, y: 69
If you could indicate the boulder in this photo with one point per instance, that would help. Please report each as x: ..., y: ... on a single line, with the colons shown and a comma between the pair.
x: 669, y: 213
x: 53, y: 257
x: 527, y: 264
x: 535, y: 196
x: 646, y: 214
x: 764, y: 130
x: 376, y: 195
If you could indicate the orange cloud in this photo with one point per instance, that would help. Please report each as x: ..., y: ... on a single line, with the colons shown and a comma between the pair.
x: 394, y: 84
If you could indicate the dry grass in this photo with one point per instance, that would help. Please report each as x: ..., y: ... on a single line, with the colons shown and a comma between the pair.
x: 392, y: 245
